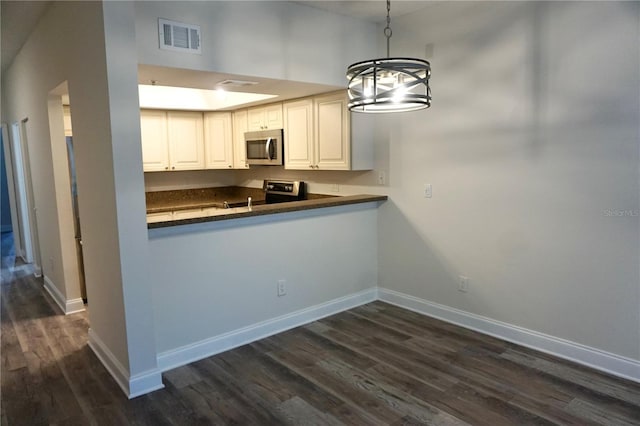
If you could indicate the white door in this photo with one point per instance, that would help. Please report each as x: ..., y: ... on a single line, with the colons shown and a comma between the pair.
x: 155, y: 143
x: 240, y: 126
x: 26, y: 200
x: 218, y: 140
x: 332, y: 148
x: 256, y: 119
x: 21, y: 193
x: 273, y: 116
x: 186, y: 140
x: 298, y: 135
x: 11, y: 186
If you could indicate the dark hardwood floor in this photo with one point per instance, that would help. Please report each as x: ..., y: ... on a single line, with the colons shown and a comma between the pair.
x: 373, y: 365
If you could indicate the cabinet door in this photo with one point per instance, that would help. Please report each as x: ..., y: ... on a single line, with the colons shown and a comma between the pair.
x: 267, y: 117
x: 155, y: 145
x: 186, y: 140
x: 332, y: 132
x: 240, y: 126
x: 218, y: 140
x: 298, y: 135
x: 256, y: 119
x: 273, y: 116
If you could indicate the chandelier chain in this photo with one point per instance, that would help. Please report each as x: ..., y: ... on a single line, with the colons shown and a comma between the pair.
x: 387, y: 29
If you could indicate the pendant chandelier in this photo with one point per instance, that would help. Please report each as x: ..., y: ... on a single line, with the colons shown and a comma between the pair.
x: 389, y: 84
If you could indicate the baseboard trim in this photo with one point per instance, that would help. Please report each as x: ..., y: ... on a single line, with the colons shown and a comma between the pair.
x: 190, y: 353
x: 70, y: 306
x: 616, y: 365
x: 136, y: 385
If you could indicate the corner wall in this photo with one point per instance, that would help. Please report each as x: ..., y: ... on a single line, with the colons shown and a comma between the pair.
x: 532, y: 148
x: 81, y: 43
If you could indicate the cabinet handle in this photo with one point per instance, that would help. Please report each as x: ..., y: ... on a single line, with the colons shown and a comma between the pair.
x: 230, y: 166
x: 173, y: 168
x: 166, y: 168
x: 311, y: 165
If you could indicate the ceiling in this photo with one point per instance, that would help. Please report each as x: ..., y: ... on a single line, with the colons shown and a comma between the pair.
x: 369, y: 10
x: 18, y: 20
x: 179, y: 77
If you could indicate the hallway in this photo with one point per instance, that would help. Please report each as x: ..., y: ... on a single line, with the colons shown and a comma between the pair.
x: 12, y: 266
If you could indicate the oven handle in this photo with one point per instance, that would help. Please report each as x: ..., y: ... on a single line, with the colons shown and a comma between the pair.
x: 267, y: 146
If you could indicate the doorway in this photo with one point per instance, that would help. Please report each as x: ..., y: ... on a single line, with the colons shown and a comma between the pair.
x: 68, y: 132
x: 27, y: 230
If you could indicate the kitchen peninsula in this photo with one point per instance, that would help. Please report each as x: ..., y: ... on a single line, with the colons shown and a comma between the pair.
x: 181, y: 207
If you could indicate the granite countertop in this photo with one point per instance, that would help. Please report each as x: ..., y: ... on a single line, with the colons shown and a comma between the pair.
x: 185, y: 199
x: 167, y: 201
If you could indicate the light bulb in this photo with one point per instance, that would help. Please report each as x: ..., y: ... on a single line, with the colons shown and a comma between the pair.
x: 221, y: 94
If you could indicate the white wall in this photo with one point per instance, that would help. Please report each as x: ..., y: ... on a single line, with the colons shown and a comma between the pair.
x: 215, y: 278
x: 272, y: 39
x: 532, y: 149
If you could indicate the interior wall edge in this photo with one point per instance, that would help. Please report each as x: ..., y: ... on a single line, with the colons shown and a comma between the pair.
x: 67, y: 306
x: 132, y: 386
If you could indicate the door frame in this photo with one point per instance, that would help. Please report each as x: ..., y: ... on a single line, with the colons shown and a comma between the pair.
x: 11, y: 187
x: 27, y: 210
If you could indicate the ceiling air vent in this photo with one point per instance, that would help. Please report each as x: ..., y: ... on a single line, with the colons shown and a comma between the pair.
x: 178, y: 36
x: 236, y: 83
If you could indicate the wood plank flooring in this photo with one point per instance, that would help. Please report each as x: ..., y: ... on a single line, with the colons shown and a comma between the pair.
x: 373, y: 365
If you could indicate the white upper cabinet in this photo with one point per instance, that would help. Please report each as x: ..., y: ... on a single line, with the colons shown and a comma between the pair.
x: 172, y: 140
x: 155, y: 141
x: 240, y: 126
x: 218, y: 140
x: 321, y: 134
x: 186, y: 144
x: 332, y: 131
x: 298, y: 134
x: 265, y: 117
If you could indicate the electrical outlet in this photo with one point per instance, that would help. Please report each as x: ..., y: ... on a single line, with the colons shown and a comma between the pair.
x: 282, y: 288
x: 335, y: 187
x: 381, y: 178
x: 428, y: 190
x: 463, y: 284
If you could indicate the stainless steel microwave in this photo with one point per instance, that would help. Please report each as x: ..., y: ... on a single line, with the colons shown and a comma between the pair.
x: 264, y: 147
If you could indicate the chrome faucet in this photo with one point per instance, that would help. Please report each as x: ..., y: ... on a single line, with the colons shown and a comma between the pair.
x: 225, y: 205
x: 249, y: 203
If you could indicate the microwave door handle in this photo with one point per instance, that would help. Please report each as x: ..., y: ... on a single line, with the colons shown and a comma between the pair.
x: 267, y: 146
